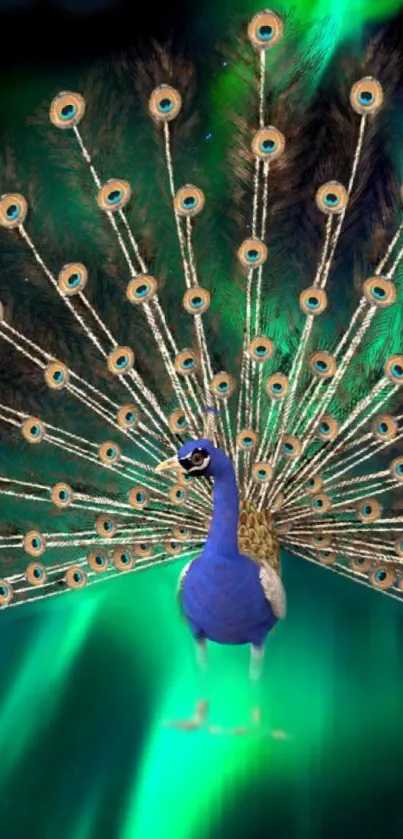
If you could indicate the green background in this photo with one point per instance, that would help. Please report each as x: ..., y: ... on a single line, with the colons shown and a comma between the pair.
x: 88, y: 679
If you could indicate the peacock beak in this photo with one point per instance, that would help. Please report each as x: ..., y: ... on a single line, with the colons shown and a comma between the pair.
x: 171, y: 464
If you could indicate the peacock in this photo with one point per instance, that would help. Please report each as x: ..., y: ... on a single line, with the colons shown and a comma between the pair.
x: 211, y: 382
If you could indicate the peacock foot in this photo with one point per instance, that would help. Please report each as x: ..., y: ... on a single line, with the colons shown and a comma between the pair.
x: 199, y: 719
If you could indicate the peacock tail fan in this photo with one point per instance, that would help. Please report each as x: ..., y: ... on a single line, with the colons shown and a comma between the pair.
x: 131, y: 301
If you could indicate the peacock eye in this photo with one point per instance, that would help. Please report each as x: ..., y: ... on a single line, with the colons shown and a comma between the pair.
x: 186, y: 362
x: 366, y: 96
x: 321, y: 503
x: 178, y: 494
x: 252, y: 253
x: 6, y: 592
x: 127, y: 416
x: 120, y: 361
x: 98, y: 561
x: 75, y: 577
x: 396, y: 469
x: 260, y: 349
x: 328, y: 428
x: 143, y: 549
x: 189, y: 201
x: 322, y: 364
x: 196, y: 300
x: 313, y: 301
x: 262, y: 472
x: 292, y: 447
x: 268, y: 143
x: 109, y: 452
x: 67, y: 110
x: 369, y: 510
x: 332, y: 198
x: 105, y: 526
x: 314, y: 485
x: 61, y: 495
x: 72, y: 278
x: 222, y: 385
x: 141, y: 289
x: 123, y: 559
x: 165, y: 103
x: 33, y: 430
x: 379, y: 292
x: 35, y: 574
x: 265, y: 30
x: 138, y: 497
x: 277, y: 386
x: 247, y: 439
x: 13, y: 210
x: 382, y: 578
x: 34, y: 543
x: 394, y: 369
x: 177, y: 421
x: 56, y: 375
x: 114, y: 195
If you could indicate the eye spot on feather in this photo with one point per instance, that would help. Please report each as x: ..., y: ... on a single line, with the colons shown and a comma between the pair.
x: 291, y: 447
x: 6, y: 593
x: 186, y: 362
x: 34, y: 543
x: 384, y: 427
x: 396, y: 469
x: 252, y: 253
x: 314, y: 485
x: 332, y: 198
x: 260, y: 349
x: 123, y: 559
x: 138, y: 497
x: 61, y: 495
x: 399, y: 546
x: 114, y: 195
x: 265, y: 30
x: 379, y: 292
x: 382, y: 577
x: 247, y: 440
x: 13, y: 210
x: 394, y: 369
x: 165, y: 103
x: 67, y: 110
x: 33, y: 430
x: 177, y: 421
x: 322, y: 364
x: 109, y: 452
x: 321, y: 503
x: 196, y: 300
x: 369, y: 510
x: 141, y: 289
x: 327, y: 428
x: 127, y: 416
x: 222, y: 385
x: 143, y: 549
x: 98, y: 561
x: 72, y: 279
x: 36, y: 574
x: 277, y: 386
x: 75, y: 577
x: 366, y: 96
x: 268, y: 144
x: 56, y: 375
x: 105, y: 526
x: 120, y: 361
x: 262, y: 472
x: 189, y: 201
x: 313, y: 301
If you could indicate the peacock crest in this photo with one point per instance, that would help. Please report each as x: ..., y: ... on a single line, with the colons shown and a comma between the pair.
x: 112, y: 376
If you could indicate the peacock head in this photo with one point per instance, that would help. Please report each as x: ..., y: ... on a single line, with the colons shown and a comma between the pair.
x: 198, y: 459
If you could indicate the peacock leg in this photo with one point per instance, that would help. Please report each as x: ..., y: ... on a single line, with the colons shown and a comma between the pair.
x: 199, y: 718
x: 255, y: 674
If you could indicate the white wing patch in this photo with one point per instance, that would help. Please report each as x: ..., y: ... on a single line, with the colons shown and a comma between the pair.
x: 181, y: 581
x: 273, y: 590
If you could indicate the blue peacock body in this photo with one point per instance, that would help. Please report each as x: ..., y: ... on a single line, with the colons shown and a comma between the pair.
x: 121, y: 325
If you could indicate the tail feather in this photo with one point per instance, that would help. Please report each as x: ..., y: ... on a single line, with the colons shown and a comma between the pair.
x: 118, y: 356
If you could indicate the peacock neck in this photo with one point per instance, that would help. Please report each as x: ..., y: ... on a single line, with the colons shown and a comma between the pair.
x: 223, y: 533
